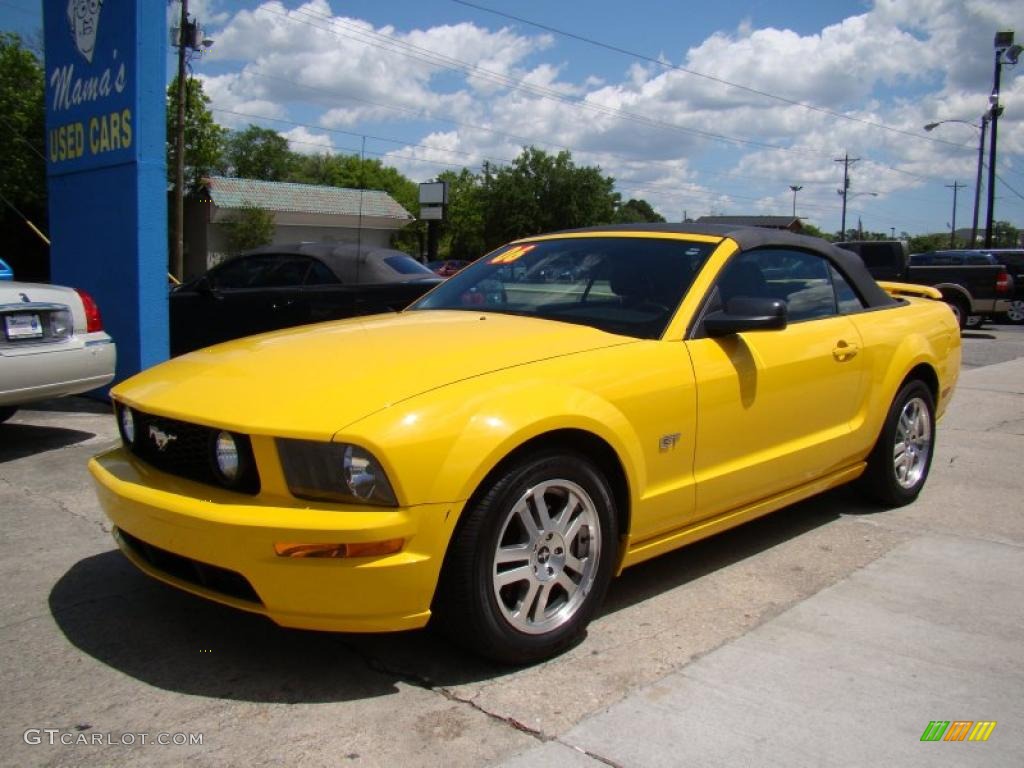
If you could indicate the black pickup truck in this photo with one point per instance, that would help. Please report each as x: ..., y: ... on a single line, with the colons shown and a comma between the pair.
x: 973, y: 283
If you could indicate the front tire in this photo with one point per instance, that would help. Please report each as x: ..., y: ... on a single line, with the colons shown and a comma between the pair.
x: 531, y: 561
x: 901, y: 459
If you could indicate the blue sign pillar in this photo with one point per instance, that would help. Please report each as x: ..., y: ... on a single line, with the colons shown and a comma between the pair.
x: 105, y: 143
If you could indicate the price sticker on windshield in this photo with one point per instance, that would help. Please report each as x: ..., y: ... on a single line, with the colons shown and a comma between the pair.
x: 512, y: 254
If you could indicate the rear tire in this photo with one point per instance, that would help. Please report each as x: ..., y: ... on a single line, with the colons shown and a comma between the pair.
x: 1016, y: 312
x: 6, y: 412
x: 899, y: 463
x: 530, y: 563
x: 960, y: 310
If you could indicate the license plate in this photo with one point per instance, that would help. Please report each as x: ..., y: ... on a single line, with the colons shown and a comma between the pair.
x: 23, y: 327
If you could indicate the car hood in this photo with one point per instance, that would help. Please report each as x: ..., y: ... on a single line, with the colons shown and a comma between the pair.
x: 311, y: 381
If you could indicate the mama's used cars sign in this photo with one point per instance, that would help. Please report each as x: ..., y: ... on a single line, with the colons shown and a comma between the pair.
x: 106, y: 78
x: 89, y: 85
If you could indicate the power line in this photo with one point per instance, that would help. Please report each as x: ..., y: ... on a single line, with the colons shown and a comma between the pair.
x: 409, y: 50
x: 524, y: 139
x: 402, y: 48
x: 357, y: 134
x: 712, y: 78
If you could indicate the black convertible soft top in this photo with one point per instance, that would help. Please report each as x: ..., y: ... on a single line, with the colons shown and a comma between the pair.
x: 848, y: 263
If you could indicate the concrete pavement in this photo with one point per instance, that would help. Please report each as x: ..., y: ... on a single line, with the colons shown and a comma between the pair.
x: 933, y: 630
x: 826, y: 633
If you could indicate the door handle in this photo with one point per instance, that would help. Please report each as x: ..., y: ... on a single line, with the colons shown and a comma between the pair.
x: 844, y: 351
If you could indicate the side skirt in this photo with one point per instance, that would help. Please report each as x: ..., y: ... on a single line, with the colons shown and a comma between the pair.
x: 639, y: 551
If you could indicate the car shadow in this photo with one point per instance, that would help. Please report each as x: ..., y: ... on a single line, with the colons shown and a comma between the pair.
x: 976, y: 335
x: 175, y: 641
x: 674, y: 569
x: 20, y: 440
x: 178, y: 642
x: 77, y: 404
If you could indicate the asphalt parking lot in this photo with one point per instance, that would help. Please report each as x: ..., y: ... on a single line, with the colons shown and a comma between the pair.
x: 825, y: 634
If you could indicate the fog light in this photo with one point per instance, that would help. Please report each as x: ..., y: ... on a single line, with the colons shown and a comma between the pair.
x: 226, y: 454
x: 127, y: 422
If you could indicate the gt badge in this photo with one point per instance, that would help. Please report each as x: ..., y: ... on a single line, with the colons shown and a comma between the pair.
x: 668, y: 442
x: 160, y: 437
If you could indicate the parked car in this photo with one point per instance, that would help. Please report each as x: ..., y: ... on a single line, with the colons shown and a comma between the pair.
x: 447, y: 267
x: 279, y: 286
x: 52, y: 344
x: 6, y: 273
x: 356, y: 476
x: 970, y: 284
x: 1013, y: 260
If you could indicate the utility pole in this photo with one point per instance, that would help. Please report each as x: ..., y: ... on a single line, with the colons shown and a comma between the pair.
x: 846, y: 160
x: 977, y: 183
x: 177, y: 241
x: 795, y: 189
x: 996, y: 109
x: 955, y: 186
x: 1004, y: 48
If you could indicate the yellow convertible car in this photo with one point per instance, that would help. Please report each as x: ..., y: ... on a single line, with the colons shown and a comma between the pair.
x: 568, y: 406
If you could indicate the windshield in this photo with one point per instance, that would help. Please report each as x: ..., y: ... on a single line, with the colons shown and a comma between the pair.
x: 407, y: 265
x: 624, y: 285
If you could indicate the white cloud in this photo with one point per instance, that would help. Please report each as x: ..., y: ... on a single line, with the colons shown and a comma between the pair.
x: 902, y: 63
x: 306, y: 142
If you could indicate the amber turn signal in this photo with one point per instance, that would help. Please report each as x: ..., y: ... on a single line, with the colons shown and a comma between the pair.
x: 359, y: 549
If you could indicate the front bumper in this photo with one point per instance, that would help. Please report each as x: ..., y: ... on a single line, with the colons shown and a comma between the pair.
x: 188, y: 527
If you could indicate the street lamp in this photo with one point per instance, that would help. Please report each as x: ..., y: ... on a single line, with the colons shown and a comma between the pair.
x: 795, y: 188
x: 981, y: 156
x: 1008, y: 53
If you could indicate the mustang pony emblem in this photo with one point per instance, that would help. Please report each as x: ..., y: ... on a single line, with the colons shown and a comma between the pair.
x: 160, y: 437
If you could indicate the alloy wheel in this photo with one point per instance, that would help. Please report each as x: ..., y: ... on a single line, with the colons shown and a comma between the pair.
x: 913, y: 443
x: 547, y: 556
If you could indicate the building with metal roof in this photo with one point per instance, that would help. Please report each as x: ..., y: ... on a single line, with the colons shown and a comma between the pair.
x: 302, y: 212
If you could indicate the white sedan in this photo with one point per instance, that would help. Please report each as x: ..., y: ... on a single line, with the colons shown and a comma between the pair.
x: 52, y: 344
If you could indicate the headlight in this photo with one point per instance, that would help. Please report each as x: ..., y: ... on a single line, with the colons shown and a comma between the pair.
x: 126, y: 421
x: 334, y: 472
x: 225, y: 453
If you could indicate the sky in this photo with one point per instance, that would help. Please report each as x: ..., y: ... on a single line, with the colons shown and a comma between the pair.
x: 697, y: 107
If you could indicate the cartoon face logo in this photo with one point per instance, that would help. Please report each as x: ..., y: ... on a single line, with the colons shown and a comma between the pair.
x: 84, y: 18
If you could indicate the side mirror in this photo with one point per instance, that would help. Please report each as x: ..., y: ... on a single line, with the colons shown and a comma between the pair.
x: 747, y: 314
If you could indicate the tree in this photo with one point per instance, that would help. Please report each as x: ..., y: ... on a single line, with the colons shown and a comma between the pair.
x: 250, y: 227
x: 813, y: 231
x: 462, y: 231
x: 204, y: 139
x: 23, y: 167
x: 1005, y: 235
x: 924, y: 243
x: 637, y: 212
x: 541, y: 192
x: 259, y: 153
